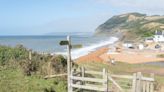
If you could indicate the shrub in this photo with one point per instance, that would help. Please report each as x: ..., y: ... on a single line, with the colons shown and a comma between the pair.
x: 58, y: 64
x: 19, y: 56
x: 8, y: 53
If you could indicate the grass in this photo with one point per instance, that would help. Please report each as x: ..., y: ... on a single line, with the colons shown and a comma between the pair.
x: 118, y: 68
x: 124, y: 68
x: 13, y: 80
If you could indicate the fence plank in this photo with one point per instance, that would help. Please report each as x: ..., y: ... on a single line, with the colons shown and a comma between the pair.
x: 122, y: 76
x: 58, y: 75
x: 151, y: 87
x: 89, y: 87
x: 143, y: 86
x: 147, y: 79
x: 131, y: 77
x: 152, y: 84
x: 115, y: 83
x: 93, y: 72
x: 147, y: 86
x: 134, y: 82
x: 139, y: 83
x: 87, y: 79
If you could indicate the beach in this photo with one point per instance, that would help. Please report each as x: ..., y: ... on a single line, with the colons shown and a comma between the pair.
x: 131, y: 56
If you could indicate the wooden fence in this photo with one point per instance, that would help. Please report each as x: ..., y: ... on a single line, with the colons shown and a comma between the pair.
x: 142, y: 84
x: 102, y: 81
x: 139, y: 83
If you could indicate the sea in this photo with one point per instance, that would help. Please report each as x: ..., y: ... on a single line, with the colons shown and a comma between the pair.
x: 50, y: 43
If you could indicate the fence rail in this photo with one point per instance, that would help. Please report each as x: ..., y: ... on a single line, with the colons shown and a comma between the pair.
x: 81, y: 81
x: 138, y: 81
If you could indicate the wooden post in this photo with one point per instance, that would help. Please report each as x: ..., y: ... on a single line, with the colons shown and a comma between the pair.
x: 147, y: 86
x: 152, y: 84
x: 134, y: 82
x: 105, y: 77
x: 83, y: 74
x: 144, y: 86
x: 30, y: 54
x: 139, y: 84
x: 107, y: 81
x: 69, y: 64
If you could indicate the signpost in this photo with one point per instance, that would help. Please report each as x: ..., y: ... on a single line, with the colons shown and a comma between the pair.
x: 69, y: 62
x: 64, y: 43
x: 68, y: 43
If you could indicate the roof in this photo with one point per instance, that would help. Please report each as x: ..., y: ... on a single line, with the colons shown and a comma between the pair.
x: 158, y: 33
x: 128, y: 41
x: 150, y: 38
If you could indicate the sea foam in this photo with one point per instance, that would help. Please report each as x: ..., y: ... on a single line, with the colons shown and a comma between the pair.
x: 76, y: 53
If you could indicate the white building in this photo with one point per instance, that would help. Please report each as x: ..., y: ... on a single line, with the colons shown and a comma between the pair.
x: 128, y: 44
x: 140, y: 46
x: 149, y: 40
x: 159, y: 36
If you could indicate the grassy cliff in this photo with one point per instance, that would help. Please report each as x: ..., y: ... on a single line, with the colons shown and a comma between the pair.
x: 131, y: 26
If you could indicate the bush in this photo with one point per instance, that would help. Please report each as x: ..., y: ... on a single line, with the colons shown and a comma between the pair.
x: 19, y: 56
x: 58, y: 64
x: 8, y: 53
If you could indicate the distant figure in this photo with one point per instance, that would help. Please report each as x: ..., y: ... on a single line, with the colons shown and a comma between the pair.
x: 112, y: 61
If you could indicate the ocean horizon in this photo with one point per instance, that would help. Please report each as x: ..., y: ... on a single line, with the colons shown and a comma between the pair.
x: 50, y: 43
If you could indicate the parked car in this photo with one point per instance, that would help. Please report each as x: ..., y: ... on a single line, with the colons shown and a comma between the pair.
x: 157, y: 46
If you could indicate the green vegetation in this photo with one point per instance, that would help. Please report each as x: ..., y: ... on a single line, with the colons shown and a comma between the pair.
x: 119, y: 67
x: 132, y: 25
x: 19, y: 74
x: 13, y: 80
x: 127, y: 69
x: 160, y: 55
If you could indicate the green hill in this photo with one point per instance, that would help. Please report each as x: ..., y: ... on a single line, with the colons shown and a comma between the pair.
x: 131, y: 26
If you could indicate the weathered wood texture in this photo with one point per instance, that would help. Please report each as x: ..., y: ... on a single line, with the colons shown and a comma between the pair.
x: 90, y: 83
x: 142, y: 84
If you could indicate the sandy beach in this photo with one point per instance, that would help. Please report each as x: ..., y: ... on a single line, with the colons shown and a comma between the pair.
x: 131, y: 56
x: 93, y: 56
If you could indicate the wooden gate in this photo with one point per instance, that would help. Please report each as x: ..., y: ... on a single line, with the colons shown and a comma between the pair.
x: 85, y: 80
x: 142, y: 84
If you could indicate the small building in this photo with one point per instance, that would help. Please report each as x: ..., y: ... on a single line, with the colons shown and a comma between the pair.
x: 149, y: 40
x: 159, y: 36
x: 128, y: 44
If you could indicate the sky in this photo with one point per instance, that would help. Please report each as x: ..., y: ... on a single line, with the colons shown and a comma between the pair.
x: 38, y: 17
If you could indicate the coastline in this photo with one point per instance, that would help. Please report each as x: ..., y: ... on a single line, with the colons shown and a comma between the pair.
x: 105, y: 54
